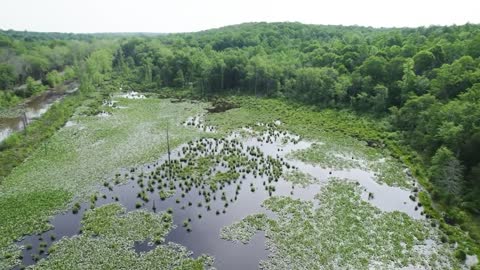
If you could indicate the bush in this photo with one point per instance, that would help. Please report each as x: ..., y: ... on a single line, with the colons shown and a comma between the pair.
x: 54, y: 78
x: 33, y: 87
x: 8, y: 99
x: 68, y: 74
x: 460, y: 255
x: 456, y: 215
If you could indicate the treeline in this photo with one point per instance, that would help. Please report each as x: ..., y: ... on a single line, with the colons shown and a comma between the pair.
x: 93, y: 73
x: 38, y: 61
x: 425, y: 80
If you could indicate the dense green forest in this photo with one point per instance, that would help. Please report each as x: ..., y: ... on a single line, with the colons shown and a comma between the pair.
x: 422, y: 84
x: 39, y: 61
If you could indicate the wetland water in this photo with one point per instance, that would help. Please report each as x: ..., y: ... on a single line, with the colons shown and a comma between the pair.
x: 216, y: 182
x: 33, y: 108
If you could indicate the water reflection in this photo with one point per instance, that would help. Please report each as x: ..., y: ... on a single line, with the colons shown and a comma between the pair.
x: 33, y: 109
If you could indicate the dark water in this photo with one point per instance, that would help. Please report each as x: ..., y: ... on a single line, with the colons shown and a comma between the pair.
x: 34, y: 108
x: 204, y: 237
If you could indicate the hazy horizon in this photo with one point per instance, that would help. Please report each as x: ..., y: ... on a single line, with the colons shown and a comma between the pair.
x: 165, y: 33
x: 149, y: 16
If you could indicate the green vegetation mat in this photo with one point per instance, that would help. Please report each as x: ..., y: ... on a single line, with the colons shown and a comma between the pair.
x: 77, y: 158
x: 343, y: 232
x: 107, y: 242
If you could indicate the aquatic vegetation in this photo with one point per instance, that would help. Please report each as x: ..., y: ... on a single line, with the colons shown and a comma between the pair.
x: 221, y: 177
x: 35, y: 257
x: 344, y: 232
x: 114, y: 253
x: 112, y: 219
x: 17, y: 206
x: 297, y: 177
x: 348, y: 154
x: 208, y: 165
x: 10, y: 256
x: 76, y: 159
x: 208, y: 173
x: 244, y: 231
x: 391, y: 172
x: 164, y: 194
x: 76, y: 207
x: 316, y: 125
x: 107, y: 242
x: 335, y: 133
x: 328, y: 156
x: 197, y: 122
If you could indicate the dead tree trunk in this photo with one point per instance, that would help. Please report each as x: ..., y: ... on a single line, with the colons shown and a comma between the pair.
x: 168, y: 152
x: 24, y: 122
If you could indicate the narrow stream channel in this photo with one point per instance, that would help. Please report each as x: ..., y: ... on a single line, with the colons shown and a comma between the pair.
x: 33, y: 108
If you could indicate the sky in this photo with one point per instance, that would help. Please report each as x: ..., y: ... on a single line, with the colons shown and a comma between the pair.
x: 160, y: 16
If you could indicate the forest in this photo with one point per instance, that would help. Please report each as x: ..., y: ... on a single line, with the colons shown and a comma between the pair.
x: 421, y: 86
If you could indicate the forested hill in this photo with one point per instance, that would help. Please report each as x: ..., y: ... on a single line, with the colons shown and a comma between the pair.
x: 425, y: 81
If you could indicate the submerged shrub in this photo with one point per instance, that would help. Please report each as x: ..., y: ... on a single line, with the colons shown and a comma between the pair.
x: 76, y: 208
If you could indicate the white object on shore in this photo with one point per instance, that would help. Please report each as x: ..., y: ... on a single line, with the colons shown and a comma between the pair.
x: 133, y: 95
x: 103, y: 114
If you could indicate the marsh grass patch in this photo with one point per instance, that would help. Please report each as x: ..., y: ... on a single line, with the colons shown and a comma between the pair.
x: 108, y: 238
x: 344, y: 232
x: 76, y: 159
x: 297, y: 177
